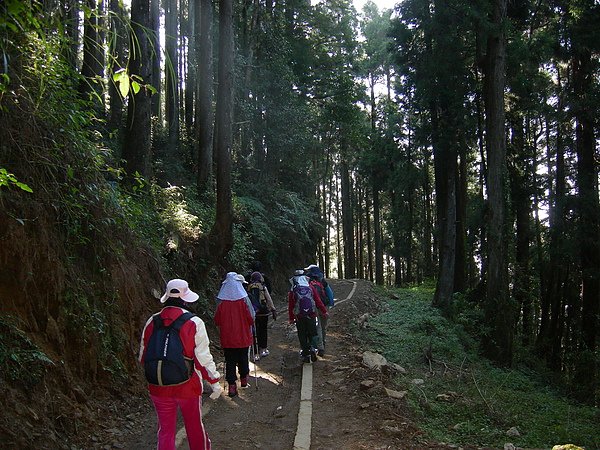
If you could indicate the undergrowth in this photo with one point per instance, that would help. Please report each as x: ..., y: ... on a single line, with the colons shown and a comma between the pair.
x: 464, y: 399
x: 21, y: 360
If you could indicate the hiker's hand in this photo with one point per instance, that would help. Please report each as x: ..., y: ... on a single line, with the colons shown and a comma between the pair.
x: 216, y: 390
x: 274, y: 313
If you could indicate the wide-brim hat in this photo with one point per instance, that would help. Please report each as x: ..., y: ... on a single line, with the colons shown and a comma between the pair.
x: 179, y: 288
x: 232, y: 288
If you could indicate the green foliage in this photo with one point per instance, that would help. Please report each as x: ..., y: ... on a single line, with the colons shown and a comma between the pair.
x: 21, y: 361
x: 8, y: 179
x: 243, y: 250
x: 181, y: 211
x: 482, y: 401
x: 89, y: 323
x: 276, y: 221
x: 140, y: 214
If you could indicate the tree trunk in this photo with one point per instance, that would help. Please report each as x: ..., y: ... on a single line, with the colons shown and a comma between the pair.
x: 347, y: 222
x: 155, y: 60
x: 461, y: 220
x: 446, y: 220
x: 222, y: 231
x: 554, y: 277
x: 137, y: 146
x: 117, y: 49
x: 70, y: 18
x: 379, y: 280
x: 369, y: 238
x: 427, y: 220
x: 92, y: 69
x: 589, y: 217
x: 171, y: 74
x: 499, y: 312
x: 204, y: 107
x: 338, y: 233
x: 360, y: 234
x: 519, y: 182
x: 190, y: 83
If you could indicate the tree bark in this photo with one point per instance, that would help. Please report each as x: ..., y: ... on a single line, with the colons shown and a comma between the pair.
x: 347, y: 222
x: 137, y: 146
x: 155, y: 59
x: 379, y: 280
x: 222, y: 231
x: 171, y: 74
x: 589, y: 217
x: 204, y: 107
x: 499, y: 314
x: 117, y: 49
x: 92, y: 69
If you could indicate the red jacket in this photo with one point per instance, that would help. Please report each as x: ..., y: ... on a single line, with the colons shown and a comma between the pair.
x: 318, y: 303
x: 195, y: 345
x: 234, y: 321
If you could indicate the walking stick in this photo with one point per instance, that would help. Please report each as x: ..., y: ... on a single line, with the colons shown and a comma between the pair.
x: 254, y: 355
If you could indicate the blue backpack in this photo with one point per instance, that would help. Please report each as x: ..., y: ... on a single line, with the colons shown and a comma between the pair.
x: 164, y: 361
x: 305, y: 303
x: 330, y: 296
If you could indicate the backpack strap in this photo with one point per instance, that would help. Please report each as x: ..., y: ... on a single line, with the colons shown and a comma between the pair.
x: 178, y: 323
x: 158, y: 322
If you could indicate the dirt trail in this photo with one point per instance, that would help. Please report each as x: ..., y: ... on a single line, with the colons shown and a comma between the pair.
x: 265, y: 417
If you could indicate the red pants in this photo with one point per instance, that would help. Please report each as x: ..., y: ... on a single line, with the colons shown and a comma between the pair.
x: 191, y: 410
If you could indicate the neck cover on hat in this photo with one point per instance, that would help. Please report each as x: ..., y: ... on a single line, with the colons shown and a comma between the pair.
x: 231, y: 289
x: 302, y: 281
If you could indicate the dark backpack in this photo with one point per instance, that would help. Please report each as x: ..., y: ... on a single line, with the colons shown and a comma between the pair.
x: 256, y: 293
x: 305, y: 303
x: 321, y: 291
x: 164, y: 361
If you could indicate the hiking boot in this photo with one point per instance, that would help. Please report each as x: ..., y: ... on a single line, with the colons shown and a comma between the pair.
x: 256, y: 357
x: 313, y: 355
x: 232, y: 392
x: 244, y: 382
x: 321, y: 353
x: 264, y: 352
x: 306, y: 359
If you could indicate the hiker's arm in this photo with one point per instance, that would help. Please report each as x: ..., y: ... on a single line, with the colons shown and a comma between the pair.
x: 250, y: 309
x: 318, y: 301
x: 291, y: 302
x: 270, y: 304
x: 145, y: 332
x: 205, y: 365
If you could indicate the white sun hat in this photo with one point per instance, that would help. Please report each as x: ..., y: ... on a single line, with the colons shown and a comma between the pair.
x: 232, y: 288
x: 179, y: 288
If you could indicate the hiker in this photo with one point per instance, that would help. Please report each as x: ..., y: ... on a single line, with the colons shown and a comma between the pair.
x: 175, y: 336
x: 303, y: 302
x: 256, y: 266
x: 317, y: 280
x: 234, y: 317
x: 263, y: 307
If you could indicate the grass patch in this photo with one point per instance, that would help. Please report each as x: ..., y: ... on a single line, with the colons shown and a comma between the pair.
x: 465, y: 399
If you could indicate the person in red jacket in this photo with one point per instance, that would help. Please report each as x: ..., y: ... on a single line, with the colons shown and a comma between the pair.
x: 303, y: 302
x: 186, y: 396
x: 235, y: 317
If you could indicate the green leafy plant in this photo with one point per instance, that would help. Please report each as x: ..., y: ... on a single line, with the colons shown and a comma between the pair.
x: 21, y: 361
x: 8, y: 179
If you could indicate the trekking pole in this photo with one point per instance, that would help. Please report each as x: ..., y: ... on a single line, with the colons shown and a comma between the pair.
x: 254, y: 345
